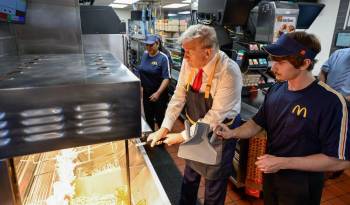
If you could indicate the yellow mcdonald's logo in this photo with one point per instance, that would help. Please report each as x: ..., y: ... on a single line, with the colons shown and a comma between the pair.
x: 300, y: 110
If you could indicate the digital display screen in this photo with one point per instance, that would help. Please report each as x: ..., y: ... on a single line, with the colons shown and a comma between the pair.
x: 343, y: 40
x: 13, y: 11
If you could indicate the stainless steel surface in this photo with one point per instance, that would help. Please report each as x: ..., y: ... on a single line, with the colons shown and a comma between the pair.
x: 102, y: 43
x: 247, y: 111
x: 127, y: 164
x: 175, y: 74
x: 38, y: 71
x: 59, y: 101
x: 141, y: 144
x: 7, y: 40
x: 250, y: 105
x: 152, y: 181
x: 145, y: 127
x: 50, y: 27
x: 7, y: 193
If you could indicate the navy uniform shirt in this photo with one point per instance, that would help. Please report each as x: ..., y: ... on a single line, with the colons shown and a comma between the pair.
x: 309, y: 121
x: 153, y: 70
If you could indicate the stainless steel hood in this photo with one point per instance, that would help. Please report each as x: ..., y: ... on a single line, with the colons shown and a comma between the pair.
x: 52, y: 102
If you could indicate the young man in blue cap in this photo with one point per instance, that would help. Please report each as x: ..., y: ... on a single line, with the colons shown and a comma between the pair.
x: 154, y: 71
x: 306, y: 123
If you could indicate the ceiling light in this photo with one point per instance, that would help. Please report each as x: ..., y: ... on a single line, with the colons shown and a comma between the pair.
x: 118, y: 6
x: 172, y: 14
x: 125, y: 1
x: 174, y: 6
x: 184, y: 12
x: 186, y: 1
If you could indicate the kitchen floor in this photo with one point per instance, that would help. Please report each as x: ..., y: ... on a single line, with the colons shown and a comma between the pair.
x: 170, y: 168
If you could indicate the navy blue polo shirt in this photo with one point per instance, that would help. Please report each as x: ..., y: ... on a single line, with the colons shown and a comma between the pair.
x: 153, y: 70
x: 309, y: 121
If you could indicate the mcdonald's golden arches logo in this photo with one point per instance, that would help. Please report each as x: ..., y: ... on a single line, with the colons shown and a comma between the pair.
x: 298, y: 110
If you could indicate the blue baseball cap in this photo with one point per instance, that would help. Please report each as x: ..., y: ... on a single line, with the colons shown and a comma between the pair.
x: 151, y: 39
x: 286, y: 46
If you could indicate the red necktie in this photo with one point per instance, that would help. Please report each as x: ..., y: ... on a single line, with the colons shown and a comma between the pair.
x: 197, y: 80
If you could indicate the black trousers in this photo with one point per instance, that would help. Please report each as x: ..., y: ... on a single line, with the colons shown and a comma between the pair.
x: 289, y: 187
x: 215, y: 190
x: 154, y: 111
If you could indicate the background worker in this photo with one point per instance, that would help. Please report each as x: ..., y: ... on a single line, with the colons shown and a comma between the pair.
x: 336, y: 72
x: 154, y: 71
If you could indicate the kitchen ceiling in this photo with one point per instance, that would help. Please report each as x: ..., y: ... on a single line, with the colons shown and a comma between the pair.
x: 162, y: 2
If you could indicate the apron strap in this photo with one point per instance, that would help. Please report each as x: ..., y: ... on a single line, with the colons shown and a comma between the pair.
x: 210, y: 79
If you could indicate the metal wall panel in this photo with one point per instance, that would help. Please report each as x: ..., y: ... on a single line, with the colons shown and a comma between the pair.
x: 51, y: 27
x: 105, y: 43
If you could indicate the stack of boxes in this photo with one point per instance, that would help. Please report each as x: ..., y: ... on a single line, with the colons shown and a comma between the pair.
x: 160, y: 24
x: 171, y: 25
x: 183, y: 25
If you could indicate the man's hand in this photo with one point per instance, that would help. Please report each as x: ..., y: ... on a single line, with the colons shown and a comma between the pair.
x: 270, y: 164
x: 157, y: 135
x: 154, y: 97
x: 174, y: 138
x: 224, y: 131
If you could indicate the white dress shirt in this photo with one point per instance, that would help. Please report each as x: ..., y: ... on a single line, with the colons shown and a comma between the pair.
x: 225, y: 91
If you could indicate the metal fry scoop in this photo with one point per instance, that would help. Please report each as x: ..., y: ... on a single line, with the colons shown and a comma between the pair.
x: 198, y: 147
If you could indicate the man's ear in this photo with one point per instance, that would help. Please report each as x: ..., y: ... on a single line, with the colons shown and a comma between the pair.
x: 306, y: 64
x: 208, y: 52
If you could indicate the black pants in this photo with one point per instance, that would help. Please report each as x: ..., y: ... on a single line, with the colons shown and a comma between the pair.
x: 215, y: 190
x: 289, y: 187
x: 154, y: 110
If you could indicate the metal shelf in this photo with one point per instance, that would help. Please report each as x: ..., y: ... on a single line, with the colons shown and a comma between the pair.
x: 173, y: 49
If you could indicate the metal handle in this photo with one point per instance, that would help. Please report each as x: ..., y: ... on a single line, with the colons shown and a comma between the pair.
x: 214, y: 136
x: 188, y: 129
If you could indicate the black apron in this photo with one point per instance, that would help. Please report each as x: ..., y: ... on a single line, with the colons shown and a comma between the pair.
x: 196, y: 106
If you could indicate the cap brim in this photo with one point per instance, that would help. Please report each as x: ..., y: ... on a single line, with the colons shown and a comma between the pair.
x: 277, y: 50
x: 149, y: 42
